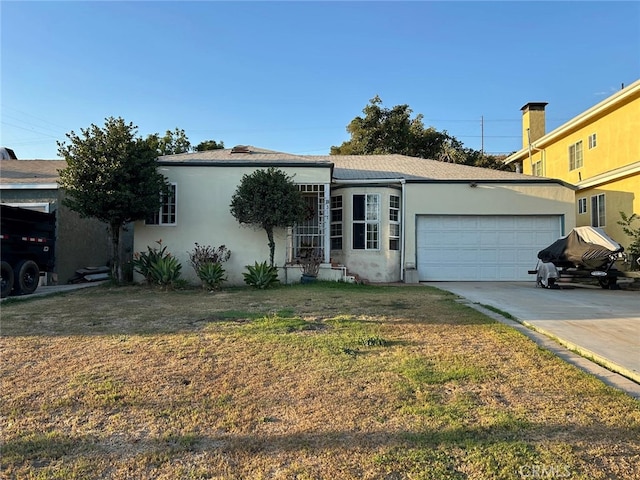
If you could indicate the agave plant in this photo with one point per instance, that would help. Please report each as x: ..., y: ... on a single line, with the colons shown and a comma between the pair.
x: 261, y: 275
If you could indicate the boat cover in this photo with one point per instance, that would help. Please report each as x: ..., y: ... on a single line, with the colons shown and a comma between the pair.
x: 587, y: 247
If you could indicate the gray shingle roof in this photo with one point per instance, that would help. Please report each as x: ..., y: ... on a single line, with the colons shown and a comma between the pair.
x: 226, y: 157
x: 14, y: 172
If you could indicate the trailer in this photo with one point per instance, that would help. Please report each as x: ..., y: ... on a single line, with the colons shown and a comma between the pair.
x: 27, y: 244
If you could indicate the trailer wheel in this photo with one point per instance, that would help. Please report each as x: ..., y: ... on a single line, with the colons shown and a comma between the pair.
x: 610, y: 283
x: 28, y: 276
x: 6, y: 280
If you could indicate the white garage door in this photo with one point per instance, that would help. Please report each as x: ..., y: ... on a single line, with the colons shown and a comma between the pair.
x: 482, y: 247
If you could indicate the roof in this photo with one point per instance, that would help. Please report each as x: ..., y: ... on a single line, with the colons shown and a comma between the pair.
x: 371, y: 167
x: 245, y: 155
x: 619, y: 98
x: 19, y: 172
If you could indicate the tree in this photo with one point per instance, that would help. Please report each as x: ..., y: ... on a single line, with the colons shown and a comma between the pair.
x: 209, y: 145
x: 169, y: 144
x: 268, y: 199
x: 393, y: 131
x: 111, y: 175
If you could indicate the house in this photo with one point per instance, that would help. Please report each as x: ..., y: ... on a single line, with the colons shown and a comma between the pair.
x: 80, y: 242
x: 385, y: 218
x: 598, y: 151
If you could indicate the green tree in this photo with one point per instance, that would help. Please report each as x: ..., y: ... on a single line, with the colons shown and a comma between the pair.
x: 393, y: 131
x: 268, y: 199
x: 111, y: 175
x: 170, y: 143
x: 209, y: 145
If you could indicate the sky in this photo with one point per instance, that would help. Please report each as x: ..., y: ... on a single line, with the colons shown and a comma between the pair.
x: 290, y: 76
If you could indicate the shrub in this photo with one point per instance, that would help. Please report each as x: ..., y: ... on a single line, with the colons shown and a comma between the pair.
x: 212, y: 275
x: 157, y: 266
x: 261, y: 275
x: 207, y: 254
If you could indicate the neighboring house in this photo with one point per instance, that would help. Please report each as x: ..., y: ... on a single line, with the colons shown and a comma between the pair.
x: 33, y: 184
x: 386, y: 218
x: 598, y: 151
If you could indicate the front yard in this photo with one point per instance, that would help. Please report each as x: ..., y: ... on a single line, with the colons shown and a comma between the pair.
x: 322, y: 381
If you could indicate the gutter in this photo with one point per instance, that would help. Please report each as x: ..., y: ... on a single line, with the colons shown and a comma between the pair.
x: 29, y: 186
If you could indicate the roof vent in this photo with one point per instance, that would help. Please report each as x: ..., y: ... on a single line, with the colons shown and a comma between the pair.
x: 240, y: 149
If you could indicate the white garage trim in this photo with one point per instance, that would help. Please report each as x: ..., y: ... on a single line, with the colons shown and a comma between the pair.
x: 482, y: 247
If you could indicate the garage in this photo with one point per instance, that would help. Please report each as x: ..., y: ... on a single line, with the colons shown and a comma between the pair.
x: 482, y: 247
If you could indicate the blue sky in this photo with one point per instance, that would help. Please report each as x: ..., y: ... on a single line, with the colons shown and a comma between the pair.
x: 290, y: 76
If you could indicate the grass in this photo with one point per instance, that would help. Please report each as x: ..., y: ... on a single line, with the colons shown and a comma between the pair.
x: 300, y: 382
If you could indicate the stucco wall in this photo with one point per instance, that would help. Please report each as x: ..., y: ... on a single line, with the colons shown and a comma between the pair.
x: 484, y: 199
x: 203, y: 216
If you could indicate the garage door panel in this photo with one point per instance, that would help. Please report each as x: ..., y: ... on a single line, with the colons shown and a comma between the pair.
x: 482, y: 247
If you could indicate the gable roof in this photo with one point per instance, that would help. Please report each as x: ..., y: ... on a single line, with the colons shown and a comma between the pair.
x: 246, y: 156
x: 43, y: 173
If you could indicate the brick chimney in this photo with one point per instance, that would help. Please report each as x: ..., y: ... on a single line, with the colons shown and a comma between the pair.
x: 533, y: 124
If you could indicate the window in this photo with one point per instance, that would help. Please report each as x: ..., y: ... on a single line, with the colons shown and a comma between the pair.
x: 308, y: 235
x: 394, y: 222
x: 598, y: 211
x: 575, y: 155
x: 592, y: 141
x: 366, y: 222
x: 537, y: 169
x: 167, y: 213
x: 336, y: 222
x: 582, y: 205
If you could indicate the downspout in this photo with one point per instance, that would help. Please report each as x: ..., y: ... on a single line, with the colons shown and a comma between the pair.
x: 531, y: 148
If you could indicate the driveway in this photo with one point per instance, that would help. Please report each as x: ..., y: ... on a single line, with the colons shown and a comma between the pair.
x: 603, y: 325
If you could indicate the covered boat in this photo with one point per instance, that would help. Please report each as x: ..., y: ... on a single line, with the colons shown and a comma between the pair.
x: 583, y: 247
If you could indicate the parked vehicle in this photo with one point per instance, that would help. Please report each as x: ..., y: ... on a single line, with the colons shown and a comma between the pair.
x: 27, y: 248
x: 586, y: 252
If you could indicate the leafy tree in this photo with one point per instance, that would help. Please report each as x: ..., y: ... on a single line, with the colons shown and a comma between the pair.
x: 170, y: 143
x: 268, y: 199
x: 388, y: 131
x: 209, y: 145
x: 111, y: 175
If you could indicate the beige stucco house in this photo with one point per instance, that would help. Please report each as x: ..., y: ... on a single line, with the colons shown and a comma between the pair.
x: 384, y: 218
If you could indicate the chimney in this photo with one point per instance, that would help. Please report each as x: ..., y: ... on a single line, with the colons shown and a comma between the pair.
x: 533, y: 126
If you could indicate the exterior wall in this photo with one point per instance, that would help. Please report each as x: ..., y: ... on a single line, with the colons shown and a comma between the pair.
x: 203, y: 216
x: 620, y: 196
x: 484, y: 199
x: 381, y: 265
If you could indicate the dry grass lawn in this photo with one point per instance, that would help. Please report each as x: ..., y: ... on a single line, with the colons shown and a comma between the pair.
x: 323, y: 381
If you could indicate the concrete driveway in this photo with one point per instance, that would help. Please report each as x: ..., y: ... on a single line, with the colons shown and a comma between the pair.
x: 603, y: 325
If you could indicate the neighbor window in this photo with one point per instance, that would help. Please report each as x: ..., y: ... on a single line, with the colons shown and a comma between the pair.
x: 167, y: 214
x: 366, y: 222
x: 336, y: 222
x: 582, y: 205
x: 394, y: 222
x: 537, y: 169
x: 598, y: 210
x: 592, y: 141
x: 575, y: 155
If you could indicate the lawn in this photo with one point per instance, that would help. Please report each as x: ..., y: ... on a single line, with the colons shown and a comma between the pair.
x: 323, y: 381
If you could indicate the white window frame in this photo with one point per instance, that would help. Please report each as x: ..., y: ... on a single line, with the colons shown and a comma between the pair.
x: 308, y: 235
x: 582, y: 205
x: 394, y: 222
x: 598, y: 210
x: 576, y: 158
x: 336, y: 226
x: 593, y: 141
x: 370, y: 222
x: 167, y: 214
x: 537, y: 169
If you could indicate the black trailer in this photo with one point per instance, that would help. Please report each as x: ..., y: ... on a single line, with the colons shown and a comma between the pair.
x: 27, y: 247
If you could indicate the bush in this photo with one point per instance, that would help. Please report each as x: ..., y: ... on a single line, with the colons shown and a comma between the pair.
x: 207, y: 254
x: 157, y: 266
x: 212, y: 275
x: 261, y: 275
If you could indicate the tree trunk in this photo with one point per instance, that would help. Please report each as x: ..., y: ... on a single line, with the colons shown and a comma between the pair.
x: 272, y: 244
x: 117, y: 274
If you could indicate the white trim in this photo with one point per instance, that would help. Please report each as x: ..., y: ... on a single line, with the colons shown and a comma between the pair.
x: 37, y: 206
x: 29, y: 186
x: 632, y: 168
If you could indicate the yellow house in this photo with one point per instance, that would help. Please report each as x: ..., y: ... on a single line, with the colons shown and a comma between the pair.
x: 598, y: 152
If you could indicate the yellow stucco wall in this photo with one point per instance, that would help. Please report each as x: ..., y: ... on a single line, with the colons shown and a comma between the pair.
x: 203, y: 216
